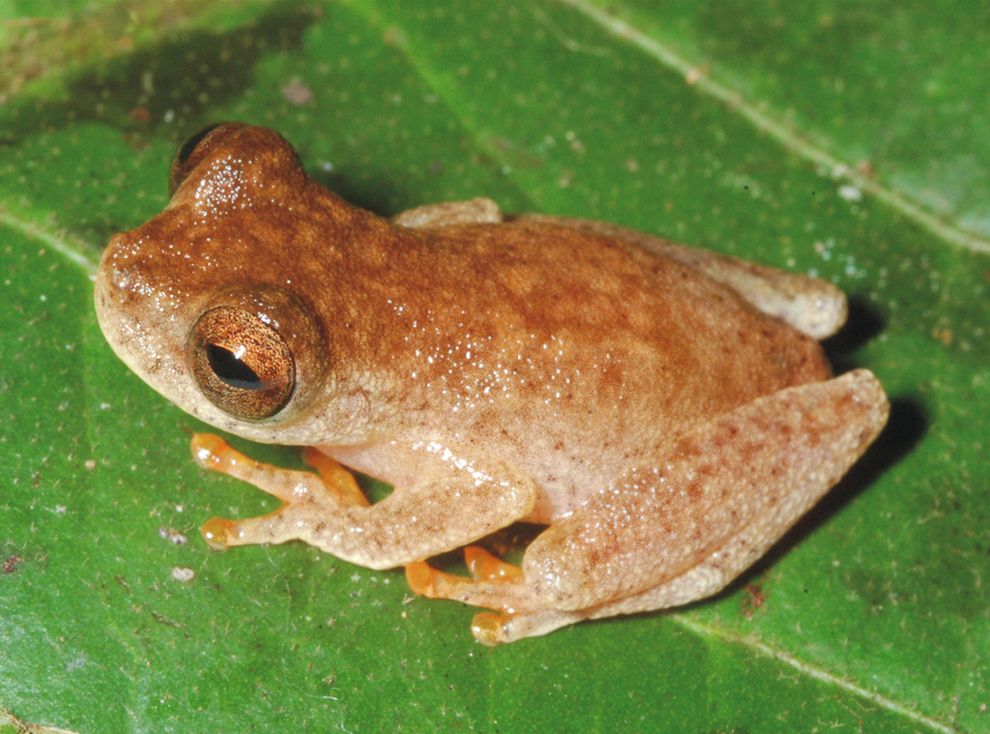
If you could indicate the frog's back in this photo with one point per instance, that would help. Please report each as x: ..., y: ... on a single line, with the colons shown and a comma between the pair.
x: 635, y: 326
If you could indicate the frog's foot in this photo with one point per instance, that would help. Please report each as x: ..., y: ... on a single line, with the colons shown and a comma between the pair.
x: 494, y: 584
x: 498, y: 586
x: 300, y: 492
x: 335, y: 477
x: 492, y: 629
x: 483, y: 566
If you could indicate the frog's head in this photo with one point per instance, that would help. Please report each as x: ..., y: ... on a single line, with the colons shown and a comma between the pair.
x: 222, y: 302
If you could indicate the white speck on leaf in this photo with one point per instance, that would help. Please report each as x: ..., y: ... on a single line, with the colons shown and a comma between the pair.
x: 183, y: 574
x: 850, y: 193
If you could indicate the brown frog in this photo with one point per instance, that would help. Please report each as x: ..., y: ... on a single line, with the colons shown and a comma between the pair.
x: 665, y: 411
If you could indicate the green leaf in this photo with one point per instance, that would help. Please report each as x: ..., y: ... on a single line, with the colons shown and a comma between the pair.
x: 830, y: 138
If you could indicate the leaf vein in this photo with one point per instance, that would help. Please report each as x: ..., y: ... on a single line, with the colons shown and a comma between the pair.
x: 62, y: 242
x: 812, y: 671
x: 779, y: 131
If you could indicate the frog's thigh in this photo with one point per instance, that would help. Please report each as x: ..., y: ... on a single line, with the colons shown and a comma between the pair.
x: 472, y: 211
x: 705, y: 579
x: 709, y: 577
x: 443, y: 512
x: 810, y: 305
x: 710, y: 504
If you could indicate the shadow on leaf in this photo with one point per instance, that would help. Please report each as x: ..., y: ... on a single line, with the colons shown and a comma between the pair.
x: 169, y: 84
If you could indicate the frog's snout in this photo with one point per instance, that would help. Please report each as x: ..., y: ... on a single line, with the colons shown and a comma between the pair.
x: 121, y: 294
x: 111, y: 286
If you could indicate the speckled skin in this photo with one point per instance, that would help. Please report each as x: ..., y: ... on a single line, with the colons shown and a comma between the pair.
x: 658, y: 407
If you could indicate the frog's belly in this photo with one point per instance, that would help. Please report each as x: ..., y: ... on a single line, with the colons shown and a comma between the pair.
x: 570, y: 471
x: 569, y: 458
x: 566, y: 470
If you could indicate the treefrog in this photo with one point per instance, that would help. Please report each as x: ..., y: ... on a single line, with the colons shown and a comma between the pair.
x: 666, y: 413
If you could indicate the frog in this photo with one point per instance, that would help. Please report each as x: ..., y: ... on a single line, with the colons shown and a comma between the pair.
x: 663, y: 414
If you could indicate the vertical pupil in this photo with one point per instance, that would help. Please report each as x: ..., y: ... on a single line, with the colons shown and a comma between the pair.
x: 232, y: 370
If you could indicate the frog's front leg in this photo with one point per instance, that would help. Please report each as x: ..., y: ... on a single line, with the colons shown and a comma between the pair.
x: 451, y: 504
x: 685, y: 525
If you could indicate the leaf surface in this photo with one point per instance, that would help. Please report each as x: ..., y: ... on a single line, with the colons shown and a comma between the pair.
x: 871, y: 615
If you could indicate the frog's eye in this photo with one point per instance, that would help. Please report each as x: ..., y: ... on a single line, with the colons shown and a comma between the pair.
x: 182, y: 155
x: 242, y: 364
x: 193, y: 150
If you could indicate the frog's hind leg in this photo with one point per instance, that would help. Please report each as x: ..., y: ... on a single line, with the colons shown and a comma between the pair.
x: 682, y: 528
x: 815, y: 307
x: 704, y: 580
x: 750, y: 473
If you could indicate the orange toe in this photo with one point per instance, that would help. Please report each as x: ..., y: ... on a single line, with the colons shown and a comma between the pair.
x: 212, y: 452
x: 483, y: 565
x: 335, y: 477
x: 487, y: 627
x: 217, y: 532
x: 419, y: 576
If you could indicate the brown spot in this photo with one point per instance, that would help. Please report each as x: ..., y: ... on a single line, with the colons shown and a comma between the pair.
x: 753, y: 600
x: 10, y: 563
x: 945, y: 336
x: 865, y: 168
x: 141, y: 115
x: 748, y: 451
